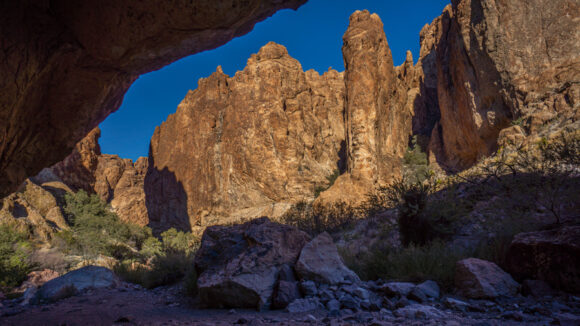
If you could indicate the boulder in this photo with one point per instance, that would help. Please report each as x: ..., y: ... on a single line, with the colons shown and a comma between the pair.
x: 304, y: 305
x: 552, y: 256
x: 537, y: 289
x: 285, y: 293
x: 425, y: 291
x: 238, y: 265
x: 480, y: 279
x: 308, y: 288
x: 418, y: 311
x: 455, y: 304
x: 320, y: 262
x: 401, y: 289
x: 89, y: 277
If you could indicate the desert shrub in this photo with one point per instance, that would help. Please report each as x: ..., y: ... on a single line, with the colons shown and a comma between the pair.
x: 315, y: 221
x: 541, y: 176
x: 95, y: 229
x: 330, y: 179
x: 179, y: 241
x: 151, y: 247
x: 163, y: 269
x: 14, y: 252
x: 420, y: 218
x: 190, y: 281
x: 415, y: 164
x: 164, y: 261
x: 435, y: 261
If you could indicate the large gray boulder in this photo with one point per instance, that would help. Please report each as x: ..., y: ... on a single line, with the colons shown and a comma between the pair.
x: 89, y: 277
x: 320, y: 262
x: 481, y: 279
x: 239, y: 266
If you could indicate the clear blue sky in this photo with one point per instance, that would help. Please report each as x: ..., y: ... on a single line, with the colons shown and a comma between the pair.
x: 312, y: 35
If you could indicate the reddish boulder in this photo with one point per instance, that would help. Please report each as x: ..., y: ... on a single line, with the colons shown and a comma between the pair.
x: 552, y: 256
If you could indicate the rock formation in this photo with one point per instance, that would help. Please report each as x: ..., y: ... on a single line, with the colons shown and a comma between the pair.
x: 238, y: 266
x: 551, y: 256
x: 493, y: 62
x: 36, y: 208
x: 66, y: 65
x: 247, y: 145
x: 119, y: 182
x: 378, y: 122
x: 256, y: 143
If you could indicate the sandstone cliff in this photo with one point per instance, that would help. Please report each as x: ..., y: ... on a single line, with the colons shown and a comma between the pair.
x: 67, y: 64
x: 247, y: 145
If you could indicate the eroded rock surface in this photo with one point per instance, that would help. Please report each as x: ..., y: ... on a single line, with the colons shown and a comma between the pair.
x: 491, y: 62
x: 36, y: 208
x: 248, y: 145
x: 68, y: 64
x: 552, y: 256
x: 319, y: 261
x: 238, y: 266
x: 480, y: 279
x: 378, y: 123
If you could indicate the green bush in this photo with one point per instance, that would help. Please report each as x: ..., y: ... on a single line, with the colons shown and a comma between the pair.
x: 415, y: 164
x: 179, y: 241
x: 163, y: 269
x: 14, y: 252
x: 167, y: 261
x: 435, y: 261
x: 95, y: 229
x: 331, y: 179
x: 315, y: 221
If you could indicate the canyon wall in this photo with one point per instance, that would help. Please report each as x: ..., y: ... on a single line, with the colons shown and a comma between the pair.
x: 255, y: 143
x: 492, y: 62
x: 247, y: 145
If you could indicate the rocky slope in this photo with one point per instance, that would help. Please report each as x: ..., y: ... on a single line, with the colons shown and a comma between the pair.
x: 247, y: 145
x: 39, y: 202
x: 97, y: 49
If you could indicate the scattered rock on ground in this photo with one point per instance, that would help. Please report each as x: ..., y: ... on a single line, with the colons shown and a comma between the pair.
x: 480, y: 279
x: 319, y: 261
x: 304, y: 305
x: 418, y: 311
x: 78, y: 280
x: 401, y: 289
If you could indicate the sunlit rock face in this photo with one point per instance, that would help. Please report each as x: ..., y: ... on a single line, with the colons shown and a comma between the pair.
x: 117, y: 181
x: 491, y: 62
x: 257, y: 142
x: 65, y: 65
x: 378, y: 120
x: 247, y: 145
